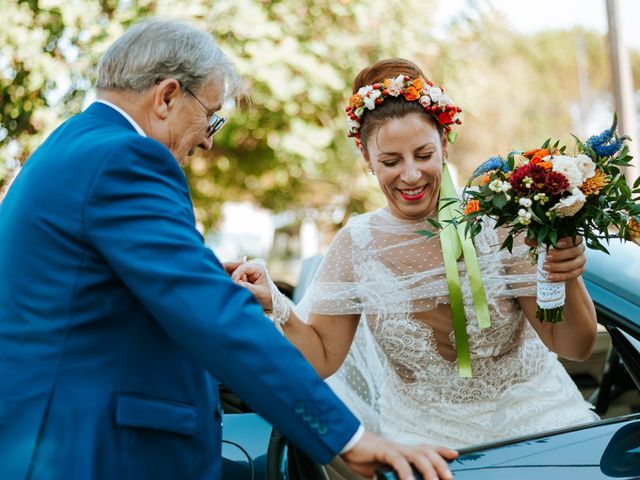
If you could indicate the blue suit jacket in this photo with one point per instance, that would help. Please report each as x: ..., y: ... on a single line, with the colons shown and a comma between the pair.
x: 113, y: 313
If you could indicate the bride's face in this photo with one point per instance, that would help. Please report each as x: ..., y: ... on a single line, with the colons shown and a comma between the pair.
x: 406, y: 156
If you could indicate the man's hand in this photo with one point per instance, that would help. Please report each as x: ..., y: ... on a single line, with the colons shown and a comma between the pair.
x: 372, y: 452
x: 254, y: 277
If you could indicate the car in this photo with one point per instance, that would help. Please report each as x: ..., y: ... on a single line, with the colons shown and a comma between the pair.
x: 609, y: 448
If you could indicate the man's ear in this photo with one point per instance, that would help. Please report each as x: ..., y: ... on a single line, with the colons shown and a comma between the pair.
x: 165, y: 96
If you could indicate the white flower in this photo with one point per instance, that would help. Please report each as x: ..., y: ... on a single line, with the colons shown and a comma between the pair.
x: 524, y: 213
x: 586, y: 166
x: 425, y: 100
x: 567, y: 166
x: 364, y: 91
x: 369, y: 95
x: 524, y: 216
x: 569, y: 206
x: 457, y: 116
x: 496, y: 185
x: 395, y: 86
x: 505, y: 187
x: 444, y: 100
x: 435, y: 93
x: 352, y: 125
x: 525, y: 202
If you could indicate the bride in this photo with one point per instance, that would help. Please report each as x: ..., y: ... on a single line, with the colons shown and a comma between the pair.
x: 377, y: 319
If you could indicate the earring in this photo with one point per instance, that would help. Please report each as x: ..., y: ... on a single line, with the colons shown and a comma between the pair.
x: 371, y: 172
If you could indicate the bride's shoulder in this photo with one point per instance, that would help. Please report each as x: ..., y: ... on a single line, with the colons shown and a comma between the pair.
x: 354, y: 232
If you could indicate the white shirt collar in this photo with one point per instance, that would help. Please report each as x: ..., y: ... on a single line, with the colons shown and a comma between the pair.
x: 125, y: 115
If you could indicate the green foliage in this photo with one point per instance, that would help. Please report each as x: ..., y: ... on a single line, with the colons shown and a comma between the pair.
x: 287, y: 148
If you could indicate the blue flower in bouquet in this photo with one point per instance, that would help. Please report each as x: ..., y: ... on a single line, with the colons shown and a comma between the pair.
x: 494, y: 163
x: 607, y: 143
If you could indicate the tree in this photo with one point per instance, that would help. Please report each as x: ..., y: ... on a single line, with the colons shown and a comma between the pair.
x: 286, y: 148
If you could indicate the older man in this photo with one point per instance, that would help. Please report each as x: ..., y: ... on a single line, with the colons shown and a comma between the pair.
x: 112, y: 310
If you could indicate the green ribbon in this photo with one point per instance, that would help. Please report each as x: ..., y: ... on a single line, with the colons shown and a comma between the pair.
x: 454, y: 242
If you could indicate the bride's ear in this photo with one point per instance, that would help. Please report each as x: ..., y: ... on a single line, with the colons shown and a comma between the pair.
x: 366, y: 163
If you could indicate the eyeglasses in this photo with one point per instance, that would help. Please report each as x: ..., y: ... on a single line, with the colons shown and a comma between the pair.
x: 216, y: 122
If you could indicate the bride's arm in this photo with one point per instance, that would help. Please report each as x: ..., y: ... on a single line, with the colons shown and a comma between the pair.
x: 324, y: 341
x: 575, y: 335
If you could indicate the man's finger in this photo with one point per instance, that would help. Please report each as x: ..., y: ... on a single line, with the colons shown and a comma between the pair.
x: 423, y: 464
x: 447, y: 453
x: 399, y: 464
x: 439, y: 465
x: 229, y: 267
x: 239, y: 273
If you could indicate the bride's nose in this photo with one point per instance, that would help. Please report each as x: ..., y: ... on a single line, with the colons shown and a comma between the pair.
x: 410, y: 174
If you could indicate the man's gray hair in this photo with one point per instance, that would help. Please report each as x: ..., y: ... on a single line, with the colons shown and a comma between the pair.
x: 155, y: 49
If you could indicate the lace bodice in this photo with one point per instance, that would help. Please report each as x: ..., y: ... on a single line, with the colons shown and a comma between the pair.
x: 401, y: 373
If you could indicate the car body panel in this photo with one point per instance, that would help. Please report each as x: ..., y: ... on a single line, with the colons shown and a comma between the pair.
x: 246, y: 438
x: 608, y: 449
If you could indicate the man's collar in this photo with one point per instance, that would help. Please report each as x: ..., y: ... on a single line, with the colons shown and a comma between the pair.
x: 124, y: 114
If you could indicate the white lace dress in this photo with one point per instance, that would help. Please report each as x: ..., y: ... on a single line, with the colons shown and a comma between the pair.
x: 401, y: 376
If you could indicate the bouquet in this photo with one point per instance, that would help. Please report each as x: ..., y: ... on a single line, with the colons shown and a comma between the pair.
x: 547, y: 193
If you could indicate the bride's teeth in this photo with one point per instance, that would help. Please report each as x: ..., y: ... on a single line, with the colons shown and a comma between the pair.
x: 413, y: 192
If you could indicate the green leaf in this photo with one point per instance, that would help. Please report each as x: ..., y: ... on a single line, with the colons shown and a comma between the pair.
x: 541, y: 236
x: 427, y: 233
x: 508, y: 243
x: 499, y: 200
x: 434, y: 223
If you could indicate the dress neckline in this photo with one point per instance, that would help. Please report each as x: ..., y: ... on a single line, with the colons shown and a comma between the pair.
x: 404, y: 221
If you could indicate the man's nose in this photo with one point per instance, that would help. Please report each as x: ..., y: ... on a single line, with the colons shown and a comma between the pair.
x: 207, y: 143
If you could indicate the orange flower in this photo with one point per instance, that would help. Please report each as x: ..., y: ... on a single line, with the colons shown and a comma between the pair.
x: 485, y: 179
x: 417, y: 83
x: 545, y: 165
x: 386, y: 82
x: 537, y: 154
x: 354, y: 101
x: 411, y: 94
x: 471, y: 207
x: 594, y: 184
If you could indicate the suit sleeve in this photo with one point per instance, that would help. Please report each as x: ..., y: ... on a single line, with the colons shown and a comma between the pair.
x: 138, y: 215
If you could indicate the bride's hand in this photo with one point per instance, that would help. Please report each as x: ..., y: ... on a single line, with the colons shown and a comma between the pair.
x: 566, y: 261
x: 254, y: 277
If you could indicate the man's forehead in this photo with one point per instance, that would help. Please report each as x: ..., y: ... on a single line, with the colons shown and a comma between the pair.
x: 214, y: 90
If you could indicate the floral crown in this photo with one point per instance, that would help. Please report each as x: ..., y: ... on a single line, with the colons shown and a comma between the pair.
x: 432, y: 98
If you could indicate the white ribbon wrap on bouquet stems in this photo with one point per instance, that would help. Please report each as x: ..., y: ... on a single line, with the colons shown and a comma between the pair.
x: 550, y: 295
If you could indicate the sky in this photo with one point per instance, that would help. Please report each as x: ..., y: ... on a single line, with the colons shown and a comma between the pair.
x: 534, y: 15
